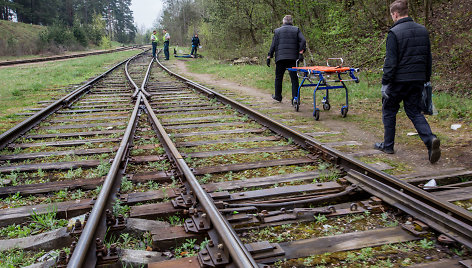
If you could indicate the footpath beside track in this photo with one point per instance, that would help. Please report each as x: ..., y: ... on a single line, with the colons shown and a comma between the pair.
x: 174, y: 174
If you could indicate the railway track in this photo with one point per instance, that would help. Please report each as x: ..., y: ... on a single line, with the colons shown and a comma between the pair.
x: 162, y: 171
x: 63, y: 57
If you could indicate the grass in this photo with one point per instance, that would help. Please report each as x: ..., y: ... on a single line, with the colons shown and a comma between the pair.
x: 18, y: 38
x: 39, y: 223
x: 449, y: 106
x: 23, y: 39
x: 365, y: 109
x: 23, y: 86
x: 189, y: 248
x: 18, y: 257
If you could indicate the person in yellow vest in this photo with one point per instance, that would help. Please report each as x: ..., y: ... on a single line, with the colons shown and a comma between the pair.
x: 154, y: 43
x: 166, y: 43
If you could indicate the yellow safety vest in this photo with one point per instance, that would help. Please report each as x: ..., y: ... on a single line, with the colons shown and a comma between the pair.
x: 154, y: 38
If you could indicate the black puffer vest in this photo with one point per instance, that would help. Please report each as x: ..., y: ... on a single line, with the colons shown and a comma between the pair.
x: 287, y: 43
x: 413, y: 50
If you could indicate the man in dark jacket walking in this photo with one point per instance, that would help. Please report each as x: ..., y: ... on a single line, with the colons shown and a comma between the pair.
x: 288, y: 44
x: 195, y: 44
x: 407, y: 67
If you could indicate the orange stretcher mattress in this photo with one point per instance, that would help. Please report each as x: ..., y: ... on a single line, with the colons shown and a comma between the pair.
x: 326, y: 69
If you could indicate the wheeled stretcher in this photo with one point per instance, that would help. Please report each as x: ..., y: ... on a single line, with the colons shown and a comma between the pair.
x: 323, y: 73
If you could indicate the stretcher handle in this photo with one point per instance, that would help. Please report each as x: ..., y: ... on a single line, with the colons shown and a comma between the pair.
x: 296, y: 63
x: 339, y: 59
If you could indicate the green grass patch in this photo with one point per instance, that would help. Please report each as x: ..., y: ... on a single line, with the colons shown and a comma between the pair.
x: 18, y: 38
x: 23, y: 86
x: 18, y: 257
x: 365, y: 107
x: 363, y: 95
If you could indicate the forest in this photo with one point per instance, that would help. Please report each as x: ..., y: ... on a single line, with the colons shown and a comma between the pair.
x: 352, y: 29
x: 79, y: 21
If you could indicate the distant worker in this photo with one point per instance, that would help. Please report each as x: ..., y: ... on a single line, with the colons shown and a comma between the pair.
x: 195, y: 44
x: 154, y: 43
x: 288, y: 44
x: 407, y: 67
x: 166, y: 43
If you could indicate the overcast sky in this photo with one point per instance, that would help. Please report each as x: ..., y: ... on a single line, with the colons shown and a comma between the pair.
x: 145, y: 12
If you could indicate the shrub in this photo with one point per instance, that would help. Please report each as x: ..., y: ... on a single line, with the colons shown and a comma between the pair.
x: 79, y: 35
x: 105, y: 42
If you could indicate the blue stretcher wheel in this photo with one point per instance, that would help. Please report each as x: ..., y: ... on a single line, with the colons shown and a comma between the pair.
x: 326, y: 106
x: 296, y: 103
x: 344, y: 110
x: 316, y: 114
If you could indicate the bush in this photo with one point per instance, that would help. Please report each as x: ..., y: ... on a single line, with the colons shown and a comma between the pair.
x: 79, y: 35
x: 96, y: 29
x: 105, y: 42
x: 58, y: 34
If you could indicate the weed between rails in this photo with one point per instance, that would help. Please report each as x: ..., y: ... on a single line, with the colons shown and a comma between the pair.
x: 39, y: 223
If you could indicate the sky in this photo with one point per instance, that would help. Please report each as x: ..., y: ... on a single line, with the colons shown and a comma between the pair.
x: 146, y: 12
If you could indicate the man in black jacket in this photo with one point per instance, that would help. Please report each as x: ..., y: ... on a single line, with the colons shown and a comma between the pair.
x: 407, y: 67
x: 288, y: 44
x: 195, y: 44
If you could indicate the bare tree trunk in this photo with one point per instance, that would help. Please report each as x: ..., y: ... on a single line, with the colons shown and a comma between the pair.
x: 412, y: 9
x: 387, y: 4
x: 427, y: 11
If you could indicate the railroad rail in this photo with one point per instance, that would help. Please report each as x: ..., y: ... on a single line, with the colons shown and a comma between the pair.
x: 231, y: 173
x: 63, y: 57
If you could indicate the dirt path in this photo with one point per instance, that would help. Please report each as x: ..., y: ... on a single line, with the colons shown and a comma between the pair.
x: 407, y: 159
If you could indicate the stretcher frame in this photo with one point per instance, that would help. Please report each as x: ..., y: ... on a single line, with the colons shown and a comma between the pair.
x: 323, y: 73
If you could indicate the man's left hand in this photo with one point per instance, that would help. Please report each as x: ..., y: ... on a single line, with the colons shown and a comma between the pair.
x: 384, y: 91
x: 268, y: 62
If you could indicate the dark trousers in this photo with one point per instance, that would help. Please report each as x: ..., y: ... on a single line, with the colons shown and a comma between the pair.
x: 410, y: 94
x: 166, y: 49
x: 280, y: 67
x: 154, y: 47
x: 194, y: 49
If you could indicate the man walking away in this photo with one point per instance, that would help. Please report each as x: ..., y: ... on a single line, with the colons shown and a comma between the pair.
x: 407, y: 67
x: 195, y: 44
x: 288, y: 44
x: 166, y: 43
x: 154, y: 43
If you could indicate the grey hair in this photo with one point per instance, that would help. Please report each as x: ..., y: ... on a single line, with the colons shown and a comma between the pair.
x: 287, y: 19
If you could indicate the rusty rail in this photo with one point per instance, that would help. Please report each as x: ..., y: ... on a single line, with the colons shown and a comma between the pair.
x: 84, y: 253
x: 20, y: 129
x: 417, y: 195
x: 53, y: 58
x: 240, y: 255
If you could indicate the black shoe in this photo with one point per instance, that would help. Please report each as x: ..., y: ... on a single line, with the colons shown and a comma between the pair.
x: 273, y: 97
x: 380, y: 146
x: 434, y: 152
